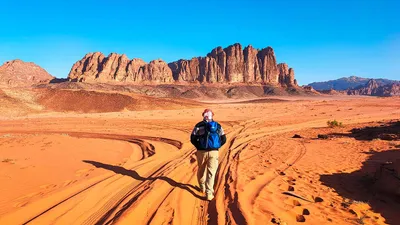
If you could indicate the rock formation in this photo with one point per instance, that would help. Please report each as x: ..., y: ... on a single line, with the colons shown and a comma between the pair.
x: 286, y: 74
x: 89, y: 68
x: 346, y: 83
x: 115, y: 67
x: 229, y: 65
x: 251, y: 71
x: 375, y: 88
x: 17, y: 73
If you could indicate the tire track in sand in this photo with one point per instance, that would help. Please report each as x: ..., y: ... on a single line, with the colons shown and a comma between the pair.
x: 121, y: 206
x: 144, y: 146
x: 227, y: 209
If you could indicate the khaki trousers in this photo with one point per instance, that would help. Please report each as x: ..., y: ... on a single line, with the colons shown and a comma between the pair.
x: 208, y: 165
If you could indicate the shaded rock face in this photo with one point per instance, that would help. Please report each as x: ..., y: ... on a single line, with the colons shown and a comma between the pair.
x: 251, y: 71
x: 392, y: 90
x: 375, y: 88
x: 222, y: 65
x: 17, y: 73
x: 186, y: 70
x: 269, y: 69
x: 286, y: 75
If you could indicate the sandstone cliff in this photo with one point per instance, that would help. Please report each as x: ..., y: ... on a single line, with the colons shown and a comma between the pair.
x: 115, y: 67
x: 229, y: 65
x: 235, y: 65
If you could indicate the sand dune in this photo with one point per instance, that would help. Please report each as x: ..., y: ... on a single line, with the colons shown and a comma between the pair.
x: 139, y: 167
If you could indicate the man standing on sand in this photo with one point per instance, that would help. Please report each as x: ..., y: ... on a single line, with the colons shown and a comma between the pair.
x: 207, y: 136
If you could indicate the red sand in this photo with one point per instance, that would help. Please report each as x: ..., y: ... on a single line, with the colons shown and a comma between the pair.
x: 138, y: 168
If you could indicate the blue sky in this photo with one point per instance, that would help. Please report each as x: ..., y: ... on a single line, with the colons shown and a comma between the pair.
x: 320, y: 39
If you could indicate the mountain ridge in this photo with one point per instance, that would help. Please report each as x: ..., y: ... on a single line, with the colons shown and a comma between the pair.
x: 232, y: 64
x: 346, y: 83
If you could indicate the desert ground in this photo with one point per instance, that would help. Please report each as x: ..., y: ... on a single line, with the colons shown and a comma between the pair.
x: 137, y: 165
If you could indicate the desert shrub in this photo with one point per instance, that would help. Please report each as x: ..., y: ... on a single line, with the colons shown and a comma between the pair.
x: 334, y: 123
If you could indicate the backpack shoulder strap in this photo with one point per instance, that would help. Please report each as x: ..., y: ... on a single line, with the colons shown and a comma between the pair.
x: 219, y: 129
x: 200, y: 124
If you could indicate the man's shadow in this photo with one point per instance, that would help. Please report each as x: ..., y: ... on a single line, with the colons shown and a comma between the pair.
x: 136, y: 176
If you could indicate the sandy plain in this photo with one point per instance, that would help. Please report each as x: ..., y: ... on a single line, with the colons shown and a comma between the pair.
x: 138, y: 167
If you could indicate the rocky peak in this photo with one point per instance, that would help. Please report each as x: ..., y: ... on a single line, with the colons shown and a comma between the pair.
x: 157, y: 71
x: 375, y: 88
x: 234, y: 63
x: 17, y: 73
x: 251, y: 71
x: 286, y: 75
x: 269, y: 70
x: 372, y: 83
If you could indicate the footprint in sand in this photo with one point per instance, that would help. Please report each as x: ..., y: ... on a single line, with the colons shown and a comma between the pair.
x: 318, y: 199
x: 277, y: 221
x: 300, y: 218
x: 68, y: 182
x: 47, y: 186
x: 290, y: 181
x: 296, y: 203
x: 20, y: 204
x: 353, y: 212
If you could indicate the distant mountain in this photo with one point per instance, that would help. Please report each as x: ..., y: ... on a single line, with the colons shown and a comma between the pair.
x: 375, y: 88
x: 346, y: 83
x: 17, y: 73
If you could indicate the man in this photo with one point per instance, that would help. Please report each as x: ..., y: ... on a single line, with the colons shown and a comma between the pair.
x: 207, y: 136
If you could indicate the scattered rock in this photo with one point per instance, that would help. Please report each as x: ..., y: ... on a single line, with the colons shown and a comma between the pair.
x: 306, y: 212
x: 322, y: 136
x: 389, y: 137
x: 297, y: 136
x: 276, y: 221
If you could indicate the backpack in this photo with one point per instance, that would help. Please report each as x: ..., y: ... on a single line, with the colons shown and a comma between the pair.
x: 211, y: 138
